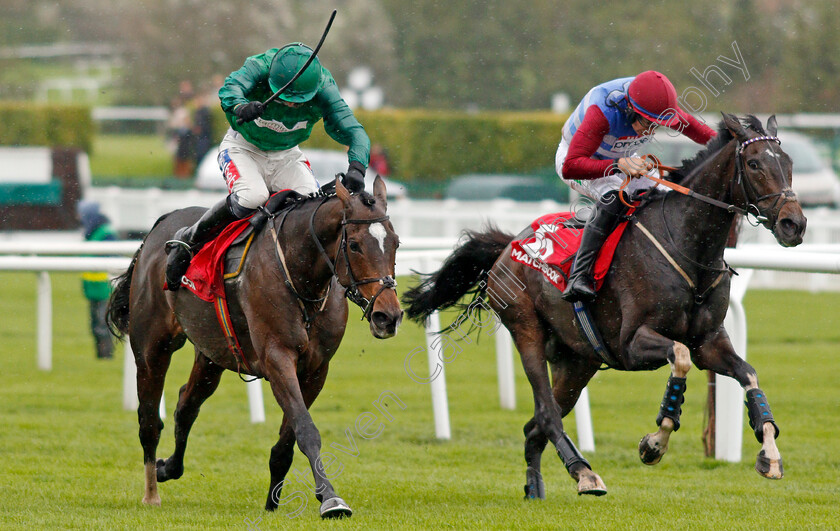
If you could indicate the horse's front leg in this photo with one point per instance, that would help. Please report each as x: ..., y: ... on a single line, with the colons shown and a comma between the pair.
x: 528, y: 336
x: 282, y: 375
x: 283, y: 452
x: 717, y: 354
x: 648, y: 349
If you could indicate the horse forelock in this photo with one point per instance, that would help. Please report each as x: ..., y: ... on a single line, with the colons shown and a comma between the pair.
x: 754, y: 123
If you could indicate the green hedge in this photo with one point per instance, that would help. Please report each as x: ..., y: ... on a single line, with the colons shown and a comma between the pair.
x: 31, y: 124
x: 429, y: 147
x: 433, y: 146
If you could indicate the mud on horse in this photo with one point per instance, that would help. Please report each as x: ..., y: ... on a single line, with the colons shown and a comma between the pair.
x: 655, y: 307
x: 288, y: 310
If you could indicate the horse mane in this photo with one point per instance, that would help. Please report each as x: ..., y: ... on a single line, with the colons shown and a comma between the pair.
x: 367, y: 199
x: 724, y: 136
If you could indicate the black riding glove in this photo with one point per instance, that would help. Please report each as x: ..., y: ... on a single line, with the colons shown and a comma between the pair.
x: 354, y: 178
x: 248, y: 112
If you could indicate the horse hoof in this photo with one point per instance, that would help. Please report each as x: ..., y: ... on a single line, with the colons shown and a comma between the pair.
x: 163, y: 474
x: 649, y: 452
x: 769, y: 468
x: 335, y: 508
x: 534, y: 486
x: 152, y: 500
x: 591, y: 484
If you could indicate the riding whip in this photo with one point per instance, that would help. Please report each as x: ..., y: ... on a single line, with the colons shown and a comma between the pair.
x: 273, y: 97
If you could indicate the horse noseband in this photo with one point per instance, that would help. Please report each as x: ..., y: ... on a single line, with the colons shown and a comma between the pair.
x: 355, y: 296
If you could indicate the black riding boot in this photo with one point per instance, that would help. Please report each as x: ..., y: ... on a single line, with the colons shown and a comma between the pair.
x: 188, y: 240
x: 608, y: 212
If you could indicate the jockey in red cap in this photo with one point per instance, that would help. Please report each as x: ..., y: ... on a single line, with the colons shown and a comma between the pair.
x: 599, y: 149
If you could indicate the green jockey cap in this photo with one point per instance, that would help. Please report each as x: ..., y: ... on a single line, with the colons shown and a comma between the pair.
x: 286, y: 63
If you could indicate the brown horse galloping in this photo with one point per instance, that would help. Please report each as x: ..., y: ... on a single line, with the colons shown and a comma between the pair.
x: 648, y: 313
x: 288, y: 310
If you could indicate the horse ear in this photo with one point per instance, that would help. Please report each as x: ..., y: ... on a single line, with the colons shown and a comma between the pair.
x: 735, y: 127
x: 379, y: 191
x: 772, y: 126
x: 342, y: 193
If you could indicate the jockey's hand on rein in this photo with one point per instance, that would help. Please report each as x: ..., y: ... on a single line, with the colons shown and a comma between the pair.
x: 634, y: 166
x: 354, y: 178
x: 248, y: 112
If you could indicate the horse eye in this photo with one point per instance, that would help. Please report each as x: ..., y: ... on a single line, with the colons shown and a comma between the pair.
x: 355, y: 247
x: 752, y: 164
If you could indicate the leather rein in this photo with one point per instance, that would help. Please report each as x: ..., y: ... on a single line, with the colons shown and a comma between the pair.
x: 752, y: 209
x: 352, y: 291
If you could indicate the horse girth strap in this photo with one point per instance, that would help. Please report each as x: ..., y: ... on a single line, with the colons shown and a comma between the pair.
x: 223, y: 315
x: 699, y: 298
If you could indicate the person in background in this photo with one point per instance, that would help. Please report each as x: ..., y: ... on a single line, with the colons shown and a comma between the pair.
x: 203, y: 124
x: 181, y: 138
x: 379, y: 160
x: 97, y: 285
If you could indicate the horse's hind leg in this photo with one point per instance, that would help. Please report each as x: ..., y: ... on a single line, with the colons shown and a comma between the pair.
x: 280, y: 462
x: 535, y: 443
x: 648, y: 349
x: 152, y: 363
x: 203, y: 381
x: 717, y: 354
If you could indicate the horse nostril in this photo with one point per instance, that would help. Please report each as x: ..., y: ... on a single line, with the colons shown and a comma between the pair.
x: 380, y: 319
x: 789, y: 226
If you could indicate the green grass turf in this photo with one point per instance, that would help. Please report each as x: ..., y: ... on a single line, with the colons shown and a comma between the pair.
x: 130, y: 157
x: 71, y: 457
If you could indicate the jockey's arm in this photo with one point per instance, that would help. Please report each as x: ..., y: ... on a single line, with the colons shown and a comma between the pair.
x: 239, y: 84
x: 342, y: 125
x: 696, y: 130
x: 579, y: 163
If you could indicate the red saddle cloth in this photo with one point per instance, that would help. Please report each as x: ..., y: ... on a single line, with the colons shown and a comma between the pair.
x: 552, y: 247
x: 205, y: 276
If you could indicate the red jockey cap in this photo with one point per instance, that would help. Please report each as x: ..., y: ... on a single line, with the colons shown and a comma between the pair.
x: 654, y: 97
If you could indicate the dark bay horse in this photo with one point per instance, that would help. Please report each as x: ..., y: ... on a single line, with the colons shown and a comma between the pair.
x: 288, y: 310
x: 648, y: 313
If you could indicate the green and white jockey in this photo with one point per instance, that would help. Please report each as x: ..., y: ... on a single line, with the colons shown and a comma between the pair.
x: 259, y: 154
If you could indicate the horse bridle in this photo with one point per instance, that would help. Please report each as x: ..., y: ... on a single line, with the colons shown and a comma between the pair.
x: 751, y: 210
x: 786, y: 195
x: 352, y: 291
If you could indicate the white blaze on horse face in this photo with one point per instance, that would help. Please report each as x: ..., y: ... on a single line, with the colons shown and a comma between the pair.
x: 771, y: 153
x: 377, y: 230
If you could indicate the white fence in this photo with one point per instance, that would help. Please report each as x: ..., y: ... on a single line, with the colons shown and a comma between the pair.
x: 425, y: 254
x: 136, y: 210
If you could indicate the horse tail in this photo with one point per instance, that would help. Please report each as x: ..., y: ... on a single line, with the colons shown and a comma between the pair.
x: 463, y: 269
x: 118, y: 304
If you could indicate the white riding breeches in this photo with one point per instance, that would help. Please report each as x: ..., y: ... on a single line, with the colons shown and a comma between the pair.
x: 595, y: 188
x: 253, y: 174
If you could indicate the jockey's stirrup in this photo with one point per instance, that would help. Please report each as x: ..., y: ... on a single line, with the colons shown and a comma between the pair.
x: 607, y: 213
x: 188, y: 240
